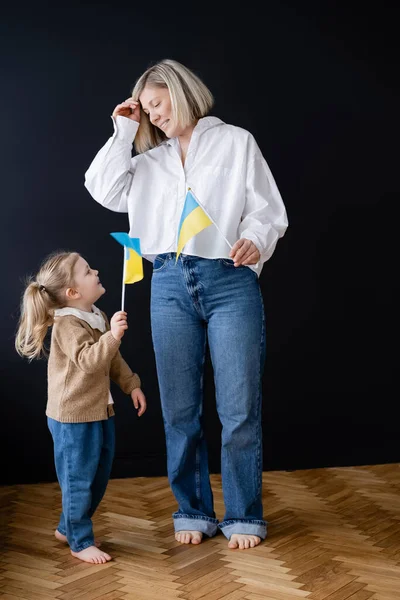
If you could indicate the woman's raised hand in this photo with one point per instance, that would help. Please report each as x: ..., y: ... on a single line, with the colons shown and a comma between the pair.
x: 129, y: 109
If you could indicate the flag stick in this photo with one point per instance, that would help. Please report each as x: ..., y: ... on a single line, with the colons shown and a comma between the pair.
x: 123, y: 282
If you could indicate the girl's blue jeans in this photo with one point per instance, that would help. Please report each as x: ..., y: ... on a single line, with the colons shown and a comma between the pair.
x: 83, y: 454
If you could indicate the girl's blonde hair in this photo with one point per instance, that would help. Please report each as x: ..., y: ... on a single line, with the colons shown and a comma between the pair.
x: 42, y: 295
x: 190, y: 99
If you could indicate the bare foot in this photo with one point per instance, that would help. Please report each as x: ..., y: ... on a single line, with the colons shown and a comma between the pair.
x: 63, y: 538
x: 92, y: 555
x: 243, y: 541
x: 189, y: 537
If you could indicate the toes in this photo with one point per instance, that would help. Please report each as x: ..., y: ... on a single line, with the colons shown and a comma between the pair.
x: 188, y: 537
x: 92, y: 555
x: 196, y: 539
x: 243, y: 542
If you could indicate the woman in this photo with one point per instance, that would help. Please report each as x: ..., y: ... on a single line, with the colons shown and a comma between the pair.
x: 211, y: 291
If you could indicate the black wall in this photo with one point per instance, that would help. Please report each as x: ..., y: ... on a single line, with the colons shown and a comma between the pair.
x: 314, y: 83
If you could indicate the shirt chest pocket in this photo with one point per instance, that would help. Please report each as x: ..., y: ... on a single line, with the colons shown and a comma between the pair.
x: 216, y: 172
x: 216, y: 187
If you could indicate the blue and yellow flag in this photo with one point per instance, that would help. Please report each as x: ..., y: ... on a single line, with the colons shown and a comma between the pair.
x: 193, y: 220
x: 133, y: 267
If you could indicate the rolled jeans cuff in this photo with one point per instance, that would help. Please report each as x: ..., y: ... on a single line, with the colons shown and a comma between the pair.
x: 243, y: 526
x: 82, y: 546
x: 206, y: 525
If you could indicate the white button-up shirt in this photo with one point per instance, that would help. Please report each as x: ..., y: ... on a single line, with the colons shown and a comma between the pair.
x: 226, y: 172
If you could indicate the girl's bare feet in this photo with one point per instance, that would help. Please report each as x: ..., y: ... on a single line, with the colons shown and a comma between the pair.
x: 63, y: 538
x: 189, y: 537
x: 243, y: 541
x: 92, y: 555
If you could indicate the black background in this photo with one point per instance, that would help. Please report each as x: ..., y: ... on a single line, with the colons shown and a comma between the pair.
x: 315, y: 84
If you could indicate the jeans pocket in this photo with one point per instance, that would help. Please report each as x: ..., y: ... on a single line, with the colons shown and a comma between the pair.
x: 227, y: 262
x: 160, y: 263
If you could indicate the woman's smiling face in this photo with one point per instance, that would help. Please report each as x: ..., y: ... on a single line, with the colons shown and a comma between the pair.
x: 156, y: 103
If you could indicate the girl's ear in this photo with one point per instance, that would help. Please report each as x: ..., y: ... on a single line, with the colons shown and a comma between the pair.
x: 72, y: 294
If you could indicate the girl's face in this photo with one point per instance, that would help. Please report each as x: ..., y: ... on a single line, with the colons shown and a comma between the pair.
x: 87, y: 282
x: 156, y: 103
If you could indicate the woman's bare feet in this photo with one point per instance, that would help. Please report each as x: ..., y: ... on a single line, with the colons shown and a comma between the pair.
x: 63, y: 538
x: 189, y: 537
x: 243, y: 541
x: 92, y: 555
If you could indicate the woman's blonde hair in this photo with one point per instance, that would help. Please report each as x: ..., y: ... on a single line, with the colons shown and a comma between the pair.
x: 42, y: 295
x: 190, y: 99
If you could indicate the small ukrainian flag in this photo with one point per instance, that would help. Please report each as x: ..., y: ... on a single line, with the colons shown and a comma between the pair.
x: 133, y: 266
x: 193, y: 220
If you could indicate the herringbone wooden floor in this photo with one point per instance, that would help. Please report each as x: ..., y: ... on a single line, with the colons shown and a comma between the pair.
x: 334, y: 534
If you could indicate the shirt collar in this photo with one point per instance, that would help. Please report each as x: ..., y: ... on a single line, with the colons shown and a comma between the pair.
x: 95, y: 319
x: 202, y: 125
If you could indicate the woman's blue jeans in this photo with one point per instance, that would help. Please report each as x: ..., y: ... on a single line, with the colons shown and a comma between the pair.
x: 83, y: 455
x: 194, y: 300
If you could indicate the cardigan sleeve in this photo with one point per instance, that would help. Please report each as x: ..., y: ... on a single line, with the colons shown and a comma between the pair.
x: 76, y: 342
x: 120, y: 372
x: 122, y: 375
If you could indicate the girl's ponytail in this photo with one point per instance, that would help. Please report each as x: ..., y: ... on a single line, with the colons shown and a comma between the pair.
x: 41, y: 297
x: 35, y: 321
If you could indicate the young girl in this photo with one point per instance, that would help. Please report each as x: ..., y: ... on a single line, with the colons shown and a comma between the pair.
x: 83, y: 357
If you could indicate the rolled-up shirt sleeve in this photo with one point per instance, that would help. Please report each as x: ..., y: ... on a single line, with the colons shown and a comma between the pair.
x: 109, y: 177
x: 264, y: 218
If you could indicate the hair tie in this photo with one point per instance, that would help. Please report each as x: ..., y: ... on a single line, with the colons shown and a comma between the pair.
x: 42, y: 288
